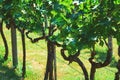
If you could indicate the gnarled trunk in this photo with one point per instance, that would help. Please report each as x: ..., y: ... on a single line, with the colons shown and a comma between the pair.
x: 75, y: 58
x: 4, y: 40
x: 95, y: 65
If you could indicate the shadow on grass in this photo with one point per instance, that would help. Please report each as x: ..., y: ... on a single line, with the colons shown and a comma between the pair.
x: 7, y: 73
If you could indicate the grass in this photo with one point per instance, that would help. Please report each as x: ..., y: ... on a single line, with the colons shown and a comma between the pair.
x: 36, y: 62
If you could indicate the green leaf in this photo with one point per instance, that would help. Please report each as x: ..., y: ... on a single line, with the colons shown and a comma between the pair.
x: 101, y: 43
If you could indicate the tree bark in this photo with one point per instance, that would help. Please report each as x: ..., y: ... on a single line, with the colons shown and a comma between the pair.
x: 55, y: 65
x: 117, y: 74
x: 92, y: 73
x: 50, y: 61
x: 119, y: 51
x: 4, y: 41
x: 82, y: 67
x: 110, y: 44
x: 24, y: 53
x: 14, y: 43
x: 75, y: 58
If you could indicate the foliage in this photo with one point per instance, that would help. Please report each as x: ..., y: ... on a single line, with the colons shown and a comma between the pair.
x: 74, y: 25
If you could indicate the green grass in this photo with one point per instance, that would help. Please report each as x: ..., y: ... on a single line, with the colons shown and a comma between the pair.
x: 36, y: 62
x: 103, y: 74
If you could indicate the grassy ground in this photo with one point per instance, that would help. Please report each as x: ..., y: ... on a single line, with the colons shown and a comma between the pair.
x: 36, y: 63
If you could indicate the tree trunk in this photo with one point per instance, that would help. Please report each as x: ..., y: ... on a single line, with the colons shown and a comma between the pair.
x: 119, y: 51
x: 14, y: 44
x: 82, y: 67
x: 75, y: 58
x: 110, y: 43
x: 117, y: 74
x: 95, y: 65
x: 4, y: 40
x: 92, y: 73
x: 55, y: 65
x: 24, y: 53
x: 50, y: 61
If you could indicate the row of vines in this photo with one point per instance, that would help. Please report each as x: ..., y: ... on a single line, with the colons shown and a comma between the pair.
x: 73, y: 25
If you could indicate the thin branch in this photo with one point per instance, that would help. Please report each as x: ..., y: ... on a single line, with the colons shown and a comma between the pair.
x: 35, y: 39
